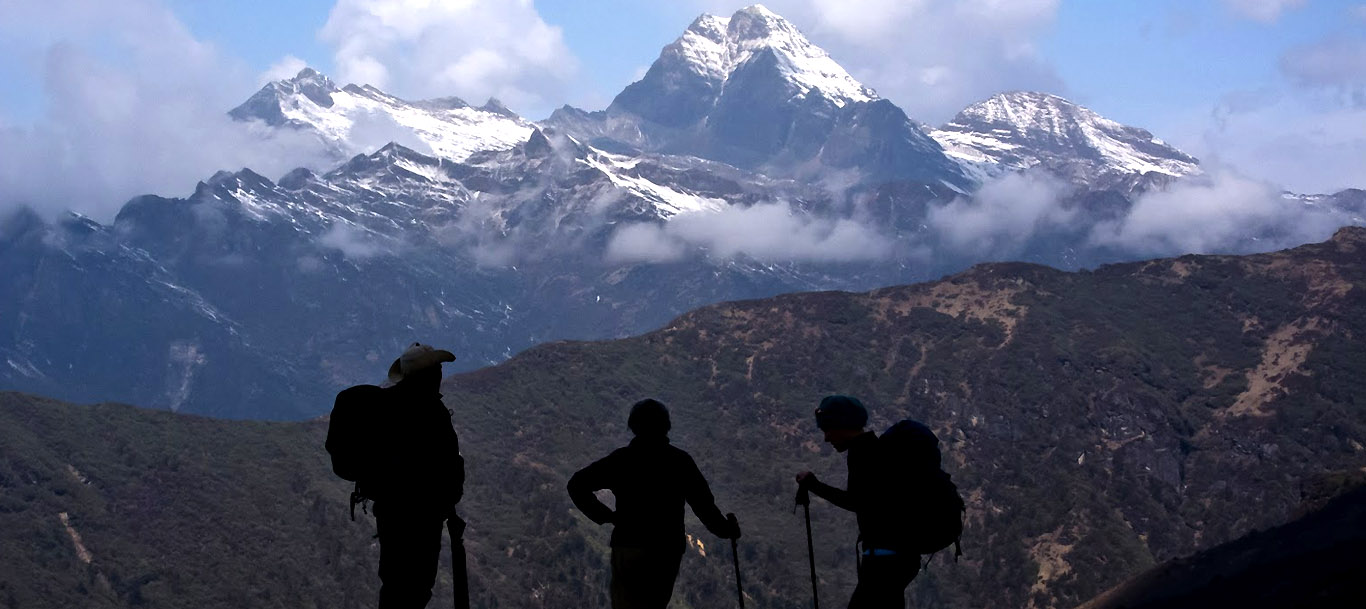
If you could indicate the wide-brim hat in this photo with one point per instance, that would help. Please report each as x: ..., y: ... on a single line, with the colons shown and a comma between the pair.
x: 417, y: 357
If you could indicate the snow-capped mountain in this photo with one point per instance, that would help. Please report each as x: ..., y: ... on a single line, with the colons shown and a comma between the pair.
x: 699, y: 64
x: 1022, y: 130
x: 485, y: 233
x: 751, y: 91
x: 356, y: 119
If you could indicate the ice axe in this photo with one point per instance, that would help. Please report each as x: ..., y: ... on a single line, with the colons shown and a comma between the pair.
x: 735, y: 554
x: 804, y: 500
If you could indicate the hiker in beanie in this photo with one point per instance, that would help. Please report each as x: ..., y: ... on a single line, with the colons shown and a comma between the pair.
x: 651, y: 480
x: 886, y: 566
x: 418, y: 477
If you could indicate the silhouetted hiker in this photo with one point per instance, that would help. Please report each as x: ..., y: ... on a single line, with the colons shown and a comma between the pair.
x: 892, y: 529
x: 651, y: 480
x: 399, y: 446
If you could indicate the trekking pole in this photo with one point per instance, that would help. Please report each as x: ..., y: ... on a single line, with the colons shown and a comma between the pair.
x: 804, y: 500
x: 735, y: 553
x: 460, y: 585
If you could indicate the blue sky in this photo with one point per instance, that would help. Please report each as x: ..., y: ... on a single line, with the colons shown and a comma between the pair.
x: 1275, y: 89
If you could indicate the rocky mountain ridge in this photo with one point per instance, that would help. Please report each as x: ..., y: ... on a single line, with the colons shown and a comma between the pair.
x: 489, y: 233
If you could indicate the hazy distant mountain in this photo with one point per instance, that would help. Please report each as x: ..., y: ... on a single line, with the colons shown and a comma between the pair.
x: 1098, y: 423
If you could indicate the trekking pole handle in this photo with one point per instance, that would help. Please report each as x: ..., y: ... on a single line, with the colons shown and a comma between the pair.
x: 803, y: 497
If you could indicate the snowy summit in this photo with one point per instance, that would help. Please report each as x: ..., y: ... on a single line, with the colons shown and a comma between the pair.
x: 715, y: 47
x: 1022, y: 129
x: 359, y: 119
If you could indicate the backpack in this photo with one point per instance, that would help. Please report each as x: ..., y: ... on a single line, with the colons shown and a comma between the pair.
x: 354, y: 416
x: 931, y: 510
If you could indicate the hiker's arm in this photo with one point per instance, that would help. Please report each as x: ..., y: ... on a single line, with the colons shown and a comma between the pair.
x: 836, y: 496
x: 699, y: 496
x: 458, y: 476
x: 457, y: 462
x: 584, y: 484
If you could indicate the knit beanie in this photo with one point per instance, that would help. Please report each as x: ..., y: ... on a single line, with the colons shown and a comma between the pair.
x: 648, y: 418
x: 841, y: 412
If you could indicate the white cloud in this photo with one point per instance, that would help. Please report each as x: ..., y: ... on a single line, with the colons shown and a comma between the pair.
x: 135, y: 105
x: 769, y: 232
x: 645, y: 242
x: 1307, y: 139
x: 1337, y: 63
x: 475, y: 49
x: 1265, y: 11
x: 1000, y: 218
x: 287, y: 67
x: 353, y: 242
x: 1219, y: 212
x: 931, y: 57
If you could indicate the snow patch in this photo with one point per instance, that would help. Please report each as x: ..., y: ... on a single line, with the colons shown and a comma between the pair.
x: 714, y: 47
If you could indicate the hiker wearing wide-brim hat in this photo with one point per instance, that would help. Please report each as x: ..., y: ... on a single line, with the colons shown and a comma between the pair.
x: 418, y: 478
x: 416, y: 359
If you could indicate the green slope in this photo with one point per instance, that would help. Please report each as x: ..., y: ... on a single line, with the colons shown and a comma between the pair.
x: 174, y: 511
x: 1097, y: 422
x: 1314, y: 561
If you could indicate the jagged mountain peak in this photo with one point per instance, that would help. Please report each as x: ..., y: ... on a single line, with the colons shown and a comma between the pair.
x: 359, y: 118
x: 310, y: 76
x: 715, y: 47
x: 1030, y: 111
x: 1021, y: 129
x: 750, y: 90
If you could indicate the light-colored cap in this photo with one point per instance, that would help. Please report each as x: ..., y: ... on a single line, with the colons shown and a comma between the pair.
x: 417, y: 357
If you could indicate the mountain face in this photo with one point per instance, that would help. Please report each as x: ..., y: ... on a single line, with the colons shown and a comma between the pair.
x: 252, y: 298
x: 358, y: 119
x: 752, y: 91
x: 1097, y: 423
x: 745, y: 164
x: 1022, y: 130
x: 81, y: 302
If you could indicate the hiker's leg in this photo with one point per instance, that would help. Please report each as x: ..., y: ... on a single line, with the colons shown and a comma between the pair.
x: 409, y: 547
x: 664, y: 571
x: 643, y: 578
x: 882, y: 581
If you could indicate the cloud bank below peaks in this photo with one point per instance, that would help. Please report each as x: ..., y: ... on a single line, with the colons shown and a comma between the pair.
x: 1220, y: 212
x: 999, y: 220
x: 767, y: 232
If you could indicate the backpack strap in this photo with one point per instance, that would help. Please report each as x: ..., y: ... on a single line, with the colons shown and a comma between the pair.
x: 356, y: 497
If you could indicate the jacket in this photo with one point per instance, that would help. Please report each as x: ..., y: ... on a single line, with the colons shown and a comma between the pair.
x: 651, y: 480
